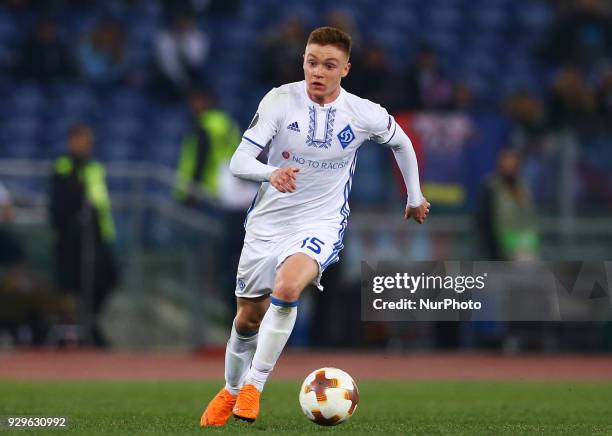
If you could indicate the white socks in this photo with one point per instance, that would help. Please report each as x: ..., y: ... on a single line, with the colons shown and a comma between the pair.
x: 238, y: 355
x: 275, y: 329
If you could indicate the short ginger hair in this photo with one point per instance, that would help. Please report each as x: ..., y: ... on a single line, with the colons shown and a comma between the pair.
x: 331, y: 36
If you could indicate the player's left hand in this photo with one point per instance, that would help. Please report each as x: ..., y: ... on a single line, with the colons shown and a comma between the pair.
x: 419, y: 213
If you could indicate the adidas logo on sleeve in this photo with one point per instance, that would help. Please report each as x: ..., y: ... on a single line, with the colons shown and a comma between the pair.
x: 294, y: 126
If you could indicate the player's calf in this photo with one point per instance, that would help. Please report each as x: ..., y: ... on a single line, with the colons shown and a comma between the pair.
x: 250, y: 312
x: 275, y: 330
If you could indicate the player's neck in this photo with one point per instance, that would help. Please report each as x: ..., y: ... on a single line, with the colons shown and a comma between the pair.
x: 323, y: 100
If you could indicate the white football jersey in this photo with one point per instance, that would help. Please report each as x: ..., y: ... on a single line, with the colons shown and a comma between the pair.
x: 323, y: 142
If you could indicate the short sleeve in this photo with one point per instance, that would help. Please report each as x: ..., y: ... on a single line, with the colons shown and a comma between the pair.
x: 382, y: 126
x: 267, y: 119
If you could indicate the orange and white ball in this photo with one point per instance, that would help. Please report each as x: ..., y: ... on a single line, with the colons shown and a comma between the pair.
x: 329, y: 396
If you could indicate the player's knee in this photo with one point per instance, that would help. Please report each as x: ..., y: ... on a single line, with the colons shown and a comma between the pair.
x: 286, y: 290
x: 247, y: 322
x: 246, y: 326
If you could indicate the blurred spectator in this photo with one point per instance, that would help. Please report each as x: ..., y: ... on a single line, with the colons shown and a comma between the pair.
x: 209, y: 8
x: 43, y: 56
x: 280, y: 54
x: 463, y: 98
x: 344, y: 20
x: 424, y: 86
x: 370, y: 75
x: 583, y: 34
x: 6, y: 208
x: 524, y: 109
x: 27, y: 307
x: 604, y: 97
x: 220, y: 8
x: 11, y: 250
x: 526, y: 113
x: 173, y: 8
x: 181, y: 52
x: 209, y: 146
x: 101, y: 54
x: 18, y: 4
x: 204, y: 164
x: 81, y: 216
x: 573, y: 101
x: 506, y: 215
x: 48, y: 7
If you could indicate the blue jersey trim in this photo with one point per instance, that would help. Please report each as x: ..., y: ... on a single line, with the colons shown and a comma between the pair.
x: 253, y: 142
x: 344, y: 211
x: 282, y: 303
x: 392, y: 135
x: 246, y: 218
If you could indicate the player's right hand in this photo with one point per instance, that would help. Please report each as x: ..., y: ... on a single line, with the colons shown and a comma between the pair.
x: 283, y: 179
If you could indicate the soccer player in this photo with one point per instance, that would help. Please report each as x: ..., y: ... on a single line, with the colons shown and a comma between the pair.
x: 295, y: 225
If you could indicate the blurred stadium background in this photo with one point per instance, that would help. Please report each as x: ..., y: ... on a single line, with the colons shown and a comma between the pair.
x: 466, y: 78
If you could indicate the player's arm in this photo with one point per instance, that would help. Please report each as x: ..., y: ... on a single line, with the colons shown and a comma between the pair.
x: 417, y: 206
x: 263, y: 128
x: 387, y: 132
x: 244, y: 164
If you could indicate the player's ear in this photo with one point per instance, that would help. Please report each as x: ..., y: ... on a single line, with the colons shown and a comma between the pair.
x: 346, y: 69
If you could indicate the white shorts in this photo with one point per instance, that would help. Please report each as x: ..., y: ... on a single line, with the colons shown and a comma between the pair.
x: 259, y: 259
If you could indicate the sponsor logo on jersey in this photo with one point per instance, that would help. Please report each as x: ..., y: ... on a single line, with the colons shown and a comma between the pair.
x: 346, y: 136
x: 320, y: 164
x: 286, y: 154
x: 254, y: 121
x: 294, y: 126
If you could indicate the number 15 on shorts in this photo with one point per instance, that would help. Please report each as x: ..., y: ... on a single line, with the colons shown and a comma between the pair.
x: 313, y: 244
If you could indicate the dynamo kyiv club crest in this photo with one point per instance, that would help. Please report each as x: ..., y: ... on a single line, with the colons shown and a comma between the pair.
x: 346, y: 136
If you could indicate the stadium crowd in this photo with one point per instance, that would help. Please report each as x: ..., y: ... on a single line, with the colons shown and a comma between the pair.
x: 163, y: 49
x: 127, y: 67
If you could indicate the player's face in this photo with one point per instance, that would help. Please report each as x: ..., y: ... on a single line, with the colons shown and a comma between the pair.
x: 324, y: 67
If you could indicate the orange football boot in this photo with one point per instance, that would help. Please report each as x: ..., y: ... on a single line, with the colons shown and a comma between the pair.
x: 218, y: 410
x: 247, y: 404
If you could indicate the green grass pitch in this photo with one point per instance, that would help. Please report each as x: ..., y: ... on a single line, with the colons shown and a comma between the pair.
x: 390, y: 407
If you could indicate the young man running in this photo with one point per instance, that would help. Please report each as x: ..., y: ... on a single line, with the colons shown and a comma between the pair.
x: 295, y: 226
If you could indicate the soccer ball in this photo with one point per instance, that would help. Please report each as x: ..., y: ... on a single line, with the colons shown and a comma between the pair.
x: 329, y: 396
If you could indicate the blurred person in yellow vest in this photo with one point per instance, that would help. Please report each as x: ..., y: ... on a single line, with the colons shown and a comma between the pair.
x: 206, y: 149
x: 507, y: 217
x: 80, y: 212
x: 203, y: 179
